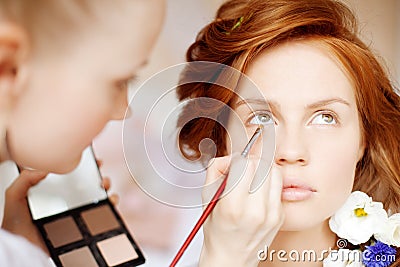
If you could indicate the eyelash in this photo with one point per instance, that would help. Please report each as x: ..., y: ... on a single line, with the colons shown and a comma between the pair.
x: 260, y: 113
x: 326, y: 112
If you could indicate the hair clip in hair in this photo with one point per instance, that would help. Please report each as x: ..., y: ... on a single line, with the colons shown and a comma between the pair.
x: 237, y: 25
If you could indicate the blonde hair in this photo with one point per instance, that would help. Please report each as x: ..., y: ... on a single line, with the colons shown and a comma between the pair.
x: 243, y: 29
x: 50, y: 21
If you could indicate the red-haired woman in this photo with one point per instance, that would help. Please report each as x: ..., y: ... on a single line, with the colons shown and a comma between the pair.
x: 336, y: 116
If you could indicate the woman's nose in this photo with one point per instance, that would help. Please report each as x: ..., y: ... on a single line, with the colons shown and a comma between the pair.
x: 291, y: 146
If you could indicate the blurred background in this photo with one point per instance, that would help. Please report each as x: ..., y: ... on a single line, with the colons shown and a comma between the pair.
x: 160, y: 229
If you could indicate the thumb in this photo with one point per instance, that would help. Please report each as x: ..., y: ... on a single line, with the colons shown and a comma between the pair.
x: 27, y: 178
x: 218, y: 168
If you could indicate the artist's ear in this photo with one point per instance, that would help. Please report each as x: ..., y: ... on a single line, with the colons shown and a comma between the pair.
x: 13, y: 55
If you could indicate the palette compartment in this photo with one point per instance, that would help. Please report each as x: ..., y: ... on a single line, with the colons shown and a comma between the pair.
x: 102, y: 239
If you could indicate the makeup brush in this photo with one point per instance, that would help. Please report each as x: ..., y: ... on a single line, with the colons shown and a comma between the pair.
x: 214, y: 200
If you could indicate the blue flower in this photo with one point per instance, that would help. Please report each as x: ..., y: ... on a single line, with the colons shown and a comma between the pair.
x: 379, y: 255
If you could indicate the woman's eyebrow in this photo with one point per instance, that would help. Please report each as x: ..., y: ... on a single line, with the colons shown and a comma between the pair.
x: 270, y: 106
x: 256, y: 101
x: 320, y: 103
x: 275, y: 107
x: 325, y: 102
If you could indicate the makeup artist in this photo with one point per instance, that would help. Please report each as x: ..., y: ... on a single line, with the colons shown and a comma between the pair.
x: 64, y: 70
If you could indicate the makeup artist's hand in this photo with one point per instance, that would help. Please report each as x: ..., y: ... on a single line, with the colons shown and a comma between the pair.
x: 17, y: 218
x: 106, y: 184
x: 242, y: 223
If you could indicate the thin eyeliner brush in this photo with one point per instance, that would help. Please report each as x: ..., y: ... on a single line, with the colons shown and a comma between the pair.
x: 214, y: 200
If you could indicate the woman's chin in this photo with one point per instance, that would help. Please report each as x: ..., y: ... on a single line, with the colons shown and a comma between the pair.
x: 299, y: 217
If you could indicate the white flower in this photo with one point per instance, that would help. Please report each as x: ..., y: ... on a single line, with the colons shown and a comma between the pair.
x: 358, y: 218
x: 344, y: 258
x: 389, y: 232
x: 355, y: 264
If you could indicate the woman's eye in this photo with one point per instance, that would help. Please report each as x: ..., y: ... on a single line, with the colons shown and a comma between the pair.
x: 324, y: 118
x: 261, y: 118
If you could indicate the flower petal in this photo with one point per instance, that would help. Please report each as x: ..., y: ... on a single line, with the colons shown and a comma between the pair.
x: 358, y: 227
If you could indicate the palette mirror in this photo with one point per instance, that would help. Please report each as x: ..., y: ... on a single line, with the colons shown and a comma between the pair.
x: 60, y: 192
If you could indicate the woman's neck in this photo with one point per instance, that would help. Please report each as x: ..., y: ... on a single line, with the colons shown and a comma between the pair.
x: 299, y: 248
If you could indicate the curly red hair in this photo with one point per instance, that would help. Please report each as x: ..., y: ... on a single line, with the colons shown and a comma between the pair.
x: 244, y: 28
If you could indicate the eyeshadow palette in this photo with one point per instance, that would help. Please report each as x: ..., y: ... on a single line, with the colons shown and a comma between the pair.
x: 92, y: 235
x: 77, y: 221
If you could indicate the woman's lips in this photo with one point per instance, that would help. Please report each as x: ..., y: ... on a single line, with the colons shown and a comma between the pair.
x: 296, y: 192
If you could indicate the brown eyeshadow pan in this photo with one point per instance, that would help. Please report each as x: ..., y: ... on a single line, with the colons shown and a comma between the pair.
x: 100, y: 220
x: 78, y: 257
x: 56, y: 231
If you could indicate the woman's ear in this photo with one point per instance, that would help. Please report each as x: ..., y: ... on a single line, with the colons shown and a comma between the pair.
x: 13, y: 55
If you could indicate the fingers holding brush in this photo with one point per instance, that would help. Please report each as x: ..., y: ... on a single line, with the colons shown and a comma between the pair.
x: 253, y: 218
